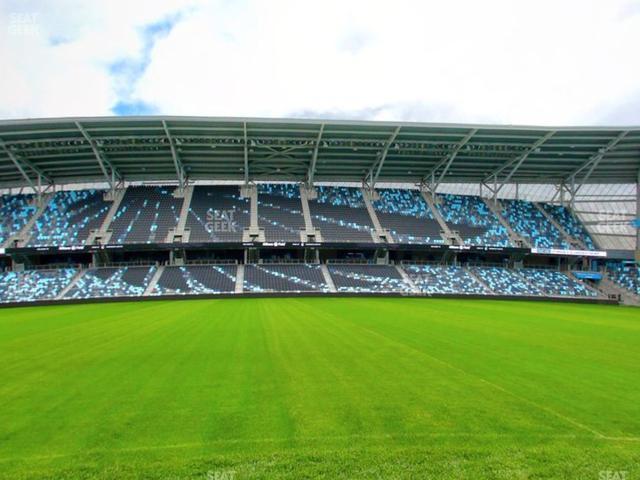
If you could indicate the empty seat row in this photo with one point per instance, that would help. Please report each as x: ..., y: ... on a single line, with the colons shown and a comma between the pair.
x: 112, y: 282
x: 217, y: 214
x: 341, y: 215
x: 280, y: 212
x: 284, y: 278
x: 146, y: 214
x: 133, y: 281
x: 69, y: 218
x: 15, y: 212
x: 196, y: 279
x: 407, y: 216
x: 368, y: 278
x: 625, y: 274
x: 555, y: 283
x: 473, y: 220
x: 444, y: 279
x: 33, y: 285
x: 570, y: 224
x: 504, y: 281
x: 531, y: 223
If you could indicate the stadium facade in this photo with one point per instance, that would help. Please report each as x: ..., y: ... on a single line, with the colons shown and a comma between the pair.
x: 142, y: 207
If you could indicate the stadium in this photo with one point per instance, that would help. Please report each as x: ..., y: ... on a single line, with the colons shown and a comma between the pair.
x: 191, y: 297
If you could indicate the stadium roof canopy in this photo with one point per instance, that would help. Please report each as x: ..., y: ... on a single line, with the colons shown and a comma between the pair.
x: 164, y: 148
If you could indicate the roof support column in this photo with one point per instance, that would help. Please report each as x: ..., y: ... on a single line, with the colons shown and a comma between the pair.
x: 372, y: 177
x: 177, y: 162
x: 637, y: 219
x: 591, y: 164
x: 445, y: 163
x: 246, y: 154
x: 515, y: 163
x: 22, y: 164
x: 314, y: 158
x: 102, y: 161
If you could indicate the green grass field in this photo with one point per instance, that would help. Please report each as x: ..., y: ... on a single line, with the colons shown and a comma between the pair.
x: 320, y: 387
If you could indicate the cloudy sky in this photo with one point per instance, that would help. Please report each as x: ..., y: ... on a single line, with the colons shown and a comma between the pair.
x: 557, y: 62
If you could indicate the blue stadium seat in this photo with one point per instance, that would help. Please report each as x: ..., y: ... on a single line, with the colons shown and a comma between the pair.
x: 368, y: 279
x: 112, y: 282
x: 15, y: 212
x: 473, y: 220
x: 217, y: 214
x: 407, y: 216
x: 145, y: 215
x: 444, y: 279
x: 280, y: 212
x: 625, y: 274
x: 341, y: 215
x: 196, y: 279
x: 570, y: 223
x: 69, y: 218
x: 32, y: 285
x: 529, y: 222
x: 284, y: 278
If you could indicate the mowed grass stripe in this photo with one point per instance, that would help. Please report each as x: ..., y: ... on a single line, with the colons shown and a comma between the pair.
x: 580, y: 384
x: 289, y: 387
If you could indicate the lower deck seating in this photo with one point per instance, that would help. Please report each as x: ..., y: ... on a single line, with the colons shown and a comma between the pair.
x: 444, y: 279
x: 625, y: 274
x: 555, y: 283
x: 196, y: 279
x: 284, y: 278
x: 503, y: 281
x: 132, y: 281
x: 32, y: 285
x: 112, y: 282
x: 367, y: 278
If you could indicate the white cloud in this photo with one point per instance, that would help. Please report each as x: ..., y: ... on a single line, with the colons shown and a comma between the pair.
x: 534, y: 62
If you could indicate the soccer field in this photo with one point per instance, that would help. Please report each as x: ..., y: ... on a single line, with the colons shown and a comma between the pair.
x: 320, y: 387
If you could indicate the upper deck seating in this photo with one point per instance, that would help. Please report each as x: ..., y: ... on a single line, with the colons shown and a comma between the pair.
x: 529, y: 222
x: 31, y: 285
x: 341, y: 215
x: 284, y: 278
x: 218, y: 214
x: 15, y: 212
x: 626, y: 274
x: 473, y: 220
x: 570, y: 224
x: 112, y: 282
x: 444, y: 279
x: 69, y: 218
x: 367, y: 278
x: 280, y: 212
x: 407, y: 216
x: 145, y: 215
x: 196, y: 279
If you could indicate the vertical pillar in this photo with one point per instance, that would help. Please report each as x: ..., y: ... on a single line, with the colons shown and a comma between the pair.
x: 637, y: 219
